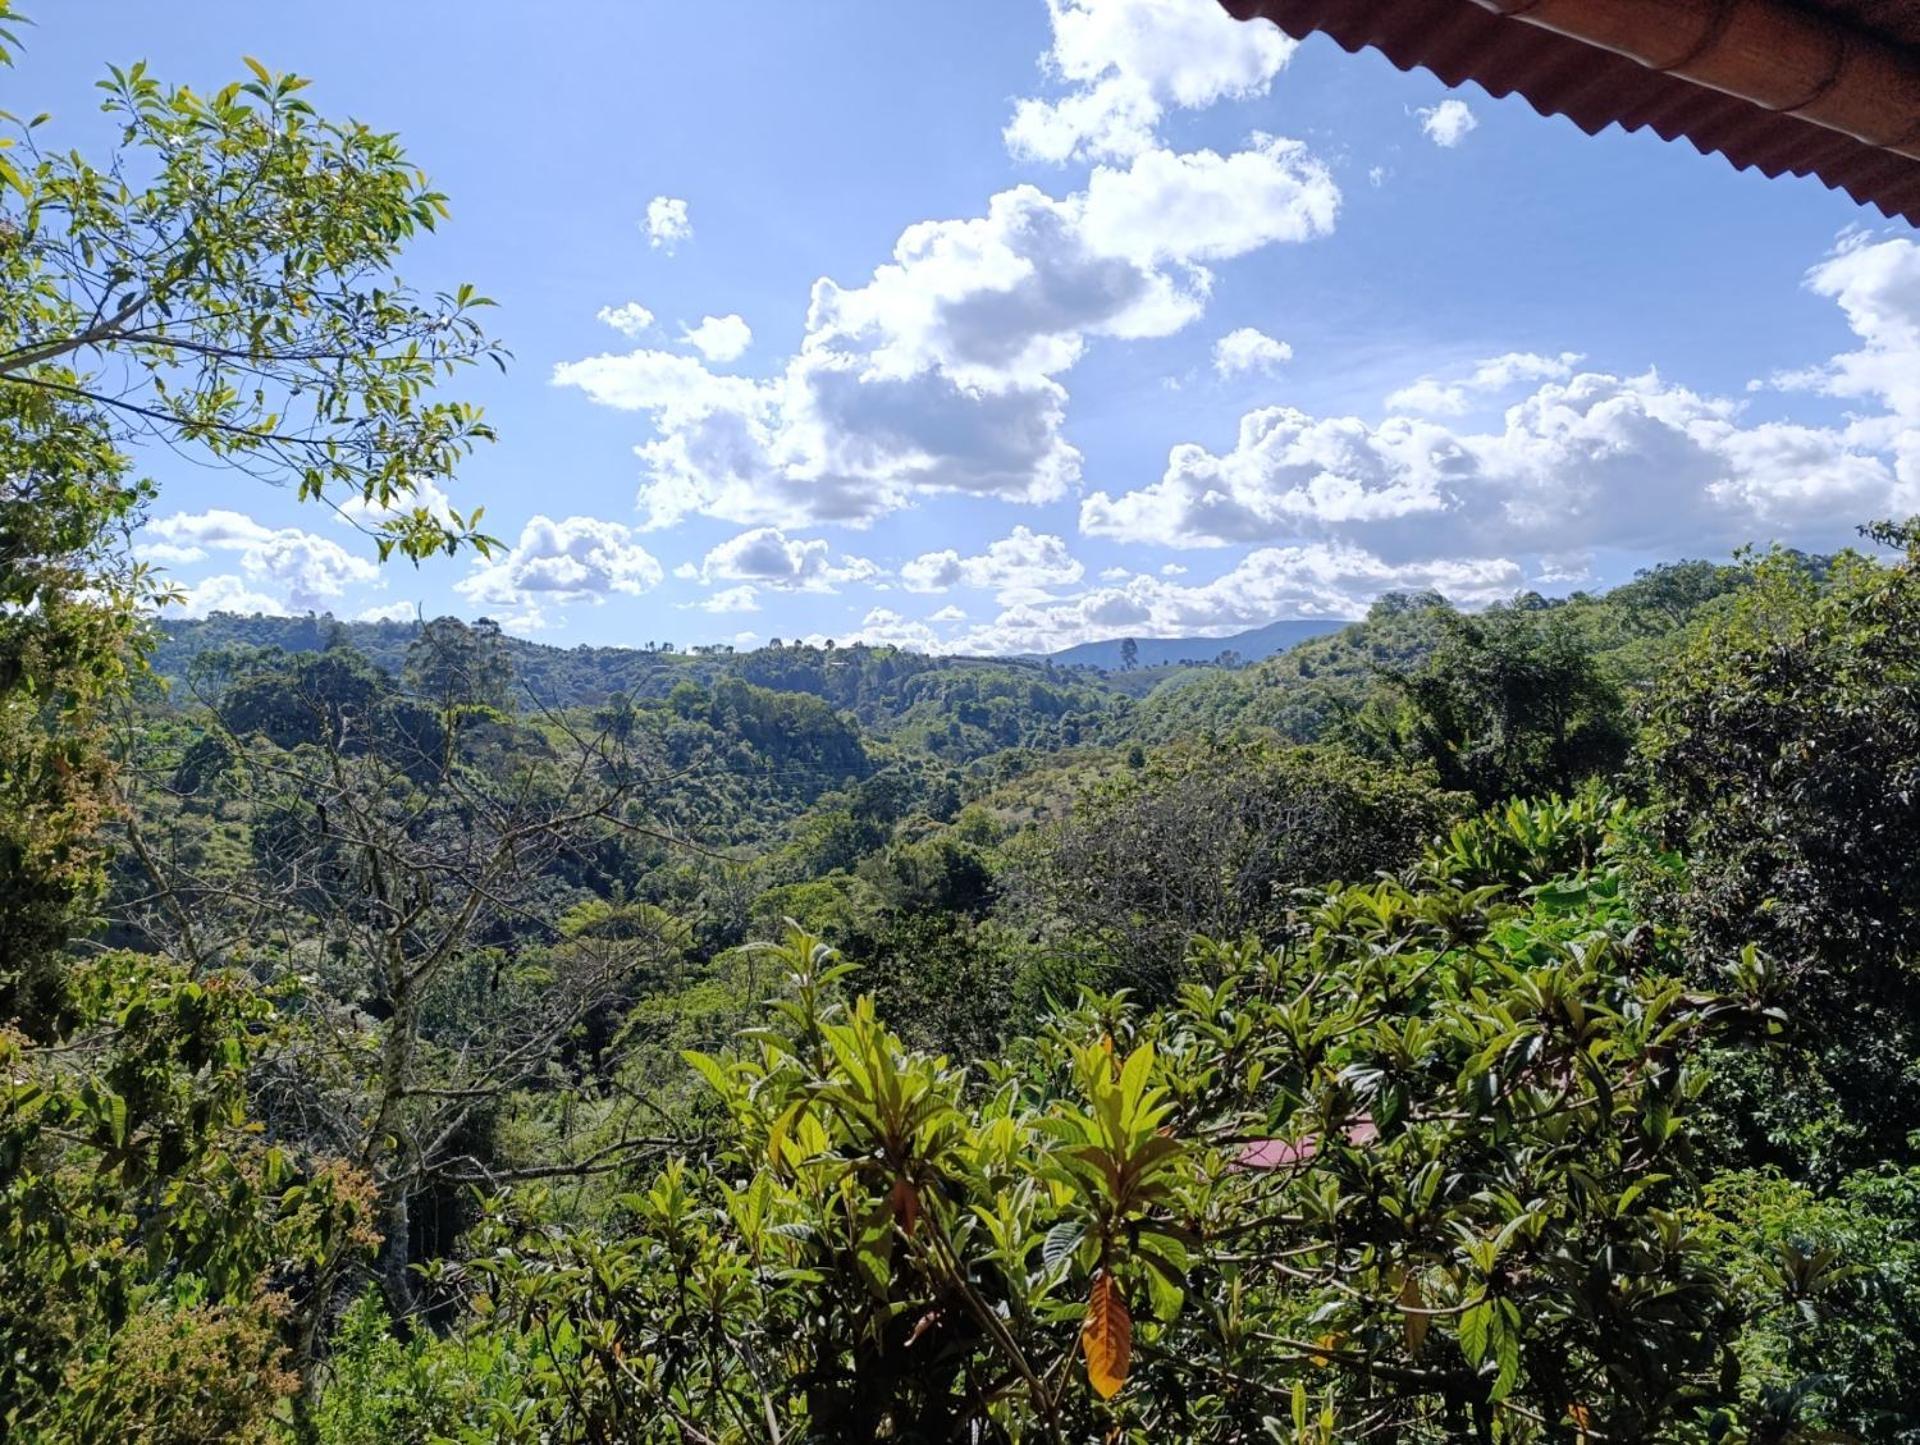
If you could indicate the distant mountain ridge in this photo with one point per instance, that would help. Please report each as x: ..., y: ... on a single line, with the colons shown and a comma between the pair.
x: 386, y: 643
x: 1252, y: 645
x: 571, y: 676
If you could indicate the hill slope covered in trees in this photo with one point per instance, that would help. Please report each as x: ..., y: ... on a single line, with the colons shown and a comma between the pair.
x: 1284, y: 1042
x: 1497, y: 1027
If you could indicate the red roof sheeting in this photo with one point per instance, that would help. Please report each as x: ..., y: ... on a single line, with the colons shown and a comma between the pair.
x: 1298, y: 1153
x: 1458, y: 41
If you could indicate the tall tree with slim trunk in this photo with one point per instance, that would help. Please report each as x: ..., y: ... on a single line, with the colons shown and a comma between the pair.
x: 392, y: 851
x: 222, y: 285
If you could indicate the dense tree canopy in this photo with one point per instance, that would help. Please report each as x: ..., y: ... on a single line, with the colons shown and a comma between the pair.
x: 1202, y: 1091
x: 1510, y: 703
x: 1494, y: 1028
x: 1785, y: 753
x: 1215, y: 843
x: 223, y: 284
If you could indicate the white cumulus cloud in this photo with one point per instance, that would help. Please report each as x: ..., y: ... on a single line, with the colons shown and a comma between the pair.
x: 1595, y: 460
x: 178, y: 553
x: 389, y: 612
x: 306, y: 573
x: 768, y: 556
x: 1877, y: 287
x: 227, y: 593
x: 1583, y: 460
x: 720, y: 338
x: 883, y: 627
x: 1316, y: 580
x: 575, y: 559
x: 1448, y: 123
x: 744, y: 598
x: 1021, y: 565
x: 942, y: 372
x: 1247, y: 349
x: 629, y: 318
x: 1122, y: 63
x: 1438, y: 397
x: 667, y: 223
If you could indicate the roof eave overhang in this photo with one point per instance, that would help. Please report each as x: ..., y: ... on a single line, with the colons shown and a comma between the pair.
x: 1771, y: 85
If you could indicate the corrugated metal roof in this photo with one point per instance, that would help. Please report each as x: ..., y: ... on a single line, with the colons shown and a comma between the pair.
x: 1896, y: 19
x: 1459, y: 42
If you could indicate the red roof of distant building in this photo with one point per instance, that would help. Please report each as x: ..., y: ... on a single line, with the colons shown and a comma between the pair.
x: 1288, y: 1153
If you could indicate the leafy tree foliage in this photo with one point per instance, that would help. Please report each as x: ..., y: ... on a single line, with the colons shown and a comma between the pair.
x: 1509, y: 704
x: 1829, y: 1280
x: 390, y: 853
x: 1312, y: 692
x: 450, y: 664
x: 1785, y: 753
x: 1304, y: 693
x: 222, y: 284
x: 242, y: 298
x: 422, y: 1078
x: 147, y: 1231
x: 68, y: 634
x: 1439, y: 1141
x: 1364, y: 1178
x: 957, y: 709
x: 1213, y: 841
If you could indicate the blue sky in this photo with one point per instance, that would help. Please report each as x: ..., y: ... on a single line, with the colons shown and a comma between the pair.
x: 1011, y: 325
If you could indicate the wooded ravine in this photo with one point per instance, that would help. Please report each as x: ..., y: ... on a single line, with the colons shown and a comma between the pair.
x: 1497, y: 1025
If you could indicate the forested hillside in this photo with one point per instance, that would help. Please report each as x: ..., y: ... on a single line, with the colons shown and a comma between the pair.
x: 1321, y: 683
x: 957, y: 708
x: 818, y: 1039
x: 1495, y: 1025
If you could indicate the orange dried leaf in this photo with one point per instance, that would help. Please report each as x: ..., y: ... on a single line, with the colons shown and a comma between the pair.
x: 1416, y: 1322
x: 1107, y: 1337
x: 906, y: 1203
